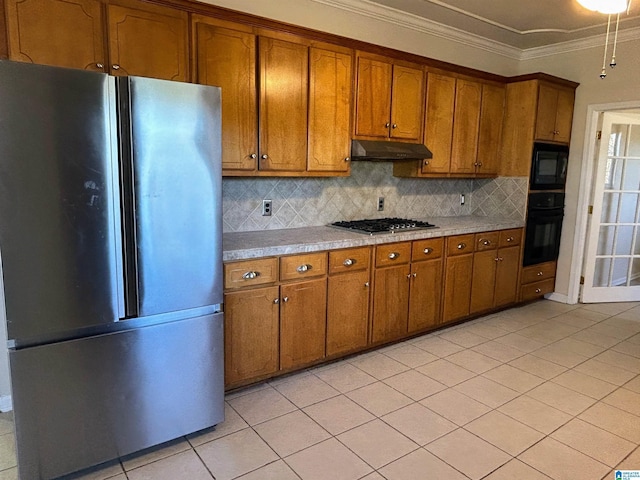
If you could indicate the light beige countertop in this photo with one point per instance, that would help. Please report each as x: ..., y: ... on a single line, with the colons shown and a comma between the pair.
x: 266, y: 243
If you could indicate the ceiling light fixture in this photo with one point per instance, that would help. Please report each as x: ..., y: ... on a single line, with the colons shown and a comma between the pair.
x: 609, y: 7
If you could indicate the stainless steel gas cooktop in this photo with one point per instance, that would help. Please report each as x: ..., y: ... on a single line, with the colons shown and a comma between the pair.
x: 383, y: 225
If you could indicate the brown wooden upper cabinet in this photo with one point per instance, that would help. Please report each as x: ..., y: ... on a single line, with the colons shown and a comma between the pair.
x: 286, y: 101
x: 555, y: 113
x: 389, y: 99
x: 463, y: 124
x: 143, y: 39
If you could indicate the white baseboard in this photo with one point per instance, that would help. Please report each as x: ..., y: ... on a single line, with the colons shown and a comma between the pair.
x: 557, y: 297
x: 6, y: 403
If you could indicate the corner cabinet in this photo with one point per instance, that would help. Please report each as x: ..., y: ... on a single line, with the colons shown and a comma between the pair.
x: 555, y: 113
x: 389, y: 99
x: 143, y: 39
x: 295, y: 119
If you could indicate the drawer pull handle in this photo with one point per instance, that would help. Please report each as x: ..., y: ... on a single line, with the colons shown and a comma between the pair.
x: 427, y: 250
x: 393, y: 255
x: 539, y: 274
x: 250, y: 275
x: 538, y: 290
x: 462, y: 246
x: 304, y: 268
x: 348, y: 262
x: 510, y: 239
x: 486, y: 242
x: 276, y: 301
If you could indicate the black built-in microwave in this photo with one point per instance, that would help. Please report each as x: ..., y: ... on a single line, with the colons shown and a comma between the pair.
x: 548, y: 166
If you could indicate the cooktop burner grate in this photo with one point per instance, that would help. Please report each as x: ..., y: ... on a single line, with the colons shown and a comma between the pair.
x: 383, y: 225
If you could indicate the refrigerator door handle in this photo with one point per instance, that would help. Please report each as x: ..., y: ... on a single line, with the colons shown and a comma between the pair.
x: 127, y: 203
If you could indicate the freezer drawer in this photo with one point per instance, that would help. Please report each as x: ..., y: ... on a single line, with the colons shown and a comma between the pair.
x: 82, y: 402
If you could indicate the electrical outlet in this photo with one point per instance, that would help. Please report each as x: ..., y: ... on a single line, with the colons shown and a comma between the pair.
x: 380, y: 204
x: 462, y: 199
x: 266, y: 208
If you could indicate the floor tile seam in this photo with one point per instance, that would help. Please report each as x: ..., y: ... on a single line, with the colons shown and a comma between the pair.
x: 612, y: 405
x: 636, y: 372
x: 637, y: 445
x: 337, y: 394
x: 429, y: 452
x: 473, y: 376
x: 623, y: 353
x: 247, y: 390
x: 519, y: 392
x: 377, y: 379
x: 411, y: 366
x: 156, y: 460
x: 571, y: 417
x: 586, y: 454
x: 480, y: 401
x: 569, y: 413
x: 411, y: 398
x: 386, y: 413
x: 603, y: 428
x: 493, y: 445
x: 366, y: 462
x: 340, y: 392
x: 578, y: 391
x: 629, y: 454
x: 500, y: 360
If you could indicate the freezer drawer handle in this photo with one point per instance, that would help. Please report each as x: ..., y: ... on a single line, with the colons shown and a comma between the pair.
x: 250, y: 275
x: 303, y: 268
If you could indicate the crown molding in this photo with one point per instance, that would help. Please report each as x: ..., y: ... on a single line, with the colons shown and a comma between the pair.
x: 417, y: 23
x: 410, y: 21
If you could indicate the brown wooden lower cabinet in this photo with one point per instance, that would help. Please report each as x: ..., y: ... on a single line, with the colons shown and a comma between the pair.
x: 347, y: 318
x: 485, y: 266
x: 251, y: 334
x: 390, y: 303
x: 425, y: 293
x: 506, y: 291
x: 537, y: 280
x: 458, y: 272
x: 303, y: 314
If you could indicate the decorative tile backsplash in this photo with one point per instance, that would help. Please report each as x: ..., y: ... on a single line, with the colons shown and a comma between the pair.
x: 303, y: 202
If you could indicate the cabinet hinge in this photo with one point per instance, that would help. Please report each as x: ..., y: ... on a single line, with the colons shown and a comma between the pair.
x: 598, y: 134
x: 581, y: 280
x: 590, y: 209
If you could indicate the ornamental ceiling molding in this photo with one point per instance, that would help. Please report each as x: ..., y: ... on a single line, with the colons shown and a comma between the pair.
x: 417, y: 23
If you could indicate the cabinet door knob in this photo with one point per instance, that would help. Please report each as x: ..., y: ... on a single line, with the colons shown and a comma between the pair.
x: 501, y: 259
x: 409, y: 276
x: 250, y: 275
x: 264, y: 156
x: 253, y: 155
x: 395, y: 125
x: 115, y: 66
x: 348, y: 262
x: 538, y: 290
x: 480, y: 164
x: 387, y: 125
x: 285, y: 299
x: 347, y: 159
x: 462, y: 246
x: 475, y: 164
x: 366, y: 284
x: 415, y: 275
x: 100, y: 65
x: 486, y: 242
x: 427, y: 250
x: 276, y: 301
x: 539, y: 274
x: 393, y: 255
x: 510, y: 239
x: 496, y: 259
x: 425, y: 163
x: 304, y: 268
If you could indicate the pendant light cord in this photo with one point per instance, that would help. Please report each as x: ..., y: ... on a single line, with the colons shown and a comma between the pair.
x: 615, y: 43
x: 603, y: 73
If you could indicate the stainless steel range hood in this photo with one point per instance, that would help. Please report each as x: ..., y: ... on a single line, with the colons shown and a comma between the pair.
x: 388, y: 151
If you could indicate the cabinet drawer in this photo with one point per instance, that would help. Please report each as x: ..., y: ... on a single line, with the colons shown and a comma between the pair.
x: 487, y: 241
x: 536, y: 273
x: 426, y: 249
x: 303, y: 266
x: 538, y: 289
x: 250, y: 272
x: 350, y: 260
x: 459, y: 245
x: 393, y: 254
x: 510, y: 238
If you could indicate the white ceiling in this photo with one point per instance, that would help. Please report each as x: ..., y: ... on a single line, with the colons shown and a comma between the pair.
x: 518, y: 24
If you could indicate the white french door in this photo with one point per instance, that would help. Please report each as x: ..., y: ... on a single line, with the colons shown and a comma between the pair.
x: 612, y: 261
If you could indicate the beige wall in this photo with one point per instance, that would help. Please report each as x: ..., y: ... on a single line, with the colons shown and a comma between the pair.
x: 620, y: 85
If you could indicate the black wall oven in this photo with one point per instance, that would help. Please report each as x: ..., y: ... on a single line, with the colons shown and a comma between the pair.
x: 548, y: 166
x: 544, y: 225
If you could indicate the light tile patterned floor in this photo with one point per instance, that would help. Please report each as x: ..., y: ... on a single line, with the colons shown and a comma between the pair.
x: 545, y: 391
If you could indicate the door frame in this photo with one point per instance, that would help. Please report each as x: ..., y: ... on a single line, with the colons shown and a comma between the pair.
x: 585, y: 192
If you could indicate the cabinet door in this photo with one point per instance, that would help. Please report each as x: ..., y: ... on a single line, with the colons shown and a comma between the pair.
x: 407, y: 99
x: 330, y: 79
x: 347, y: 321
x: 466, y: 122
x: 438, y: 133
x: 390, y: 303
x: 546, y: 115
x: 283, y: 105
x: 303, y: 318
x: 251, y: 334
x: 507, y: 276
x: 373, y: 98
x: 425, y: 294
x: 227, y: 58
x: 491, y: 118
x: 483, y: 282
x: 457, y: 287
x: 64, y: 33
x: 564, y: 115
x: 148, y: 41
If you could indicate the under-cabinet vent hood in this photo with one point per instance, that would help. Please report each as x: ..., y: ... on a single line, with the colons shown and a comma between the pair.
x: 388, y: 151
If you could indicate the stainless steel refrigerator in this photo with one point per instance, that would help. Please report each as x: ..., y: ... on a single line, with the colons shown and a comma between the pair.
x: 111, y: 245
